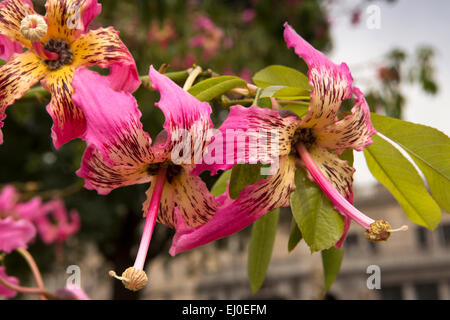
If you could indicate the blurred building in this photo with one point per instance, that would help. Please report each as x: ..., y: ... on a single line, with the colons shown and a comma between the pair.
x: 413, y: 264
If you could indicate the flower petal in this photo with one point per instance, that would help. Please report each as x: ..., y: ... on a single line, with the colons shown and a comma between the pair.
x: 104, y: 48
x: 124, y: 77
x: 247, y: 136
x: 331, y: 83
x: 67, y: 19
x: 5, y: 292
x: 119, y: 150
x: 72, y: 292
x: 8, y: 48
x: 8, y: 199
x: 255, y: 201
x: 336, y: 170
x: 194, y: 203
x: 186, y: 117
x: 17, y: 76
x: 59, y: 228
x: 12, y: 13
x: 354, y: 131
x: 29, y: 210
x: 68, y: 120
x: 15, y: 234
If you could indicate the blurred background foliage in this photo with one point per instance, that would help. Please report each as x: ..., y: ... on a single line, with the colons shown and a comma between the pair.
x: 236, y: 37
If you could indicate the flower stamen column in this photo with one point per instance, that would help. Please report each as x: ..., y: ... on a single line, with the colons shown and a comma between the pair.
x: 379, y: 230
x: 134, y: 278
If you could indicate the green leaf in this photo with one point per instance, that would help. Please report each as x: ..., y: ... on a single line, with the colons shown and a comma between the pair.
x: 428, y: 147
x: 320, y: 224
x: 283, y: 92
x: 348, y: 155
x: 298, y: 109
x: 295, y: 236
x: 243, y: 175
x: 277, y: 75
x: 221, y: 184
x: 331, y: 262
x: 212, y: 88
x: 400, y: 177
x: 261, y: 247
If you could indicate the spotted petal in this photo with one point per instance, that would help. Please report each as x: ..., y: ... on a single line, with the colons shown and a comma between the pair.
x: 336, y: 170
x: 5, y: 292
x: 250, y: 135
x: 17, y: 76
x: 68, y: 120
x: 12, y: 13
x: 255, y: 201
x: 15, y: 234
x: 67, y: 19
x: 119, y: 150
x: 8, y: 48
x: 332, y: 84
x: 354, y: 131
x: 104, y: 48
x: 186, y: 118
x: 184, y: 196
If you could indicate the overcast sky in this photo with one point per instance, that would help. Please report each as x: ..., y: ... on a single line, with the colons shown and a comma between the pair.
x: 405, y: 24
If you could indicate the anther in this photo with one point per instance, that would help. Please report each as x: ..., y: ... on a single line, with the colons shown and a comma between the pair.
x: 381, y: 230
x: 133, y: 279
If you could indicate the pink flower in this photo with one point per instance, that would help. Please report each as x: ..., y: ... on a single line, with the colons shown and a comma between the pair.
x: 162, y: 35
x: 15, y: 234
x: 19, y: 220
x: 120, y: 153
x: 248, y: 15
x: 56, y: 45
x: 209, y: 37
x: 204, y: 23
x: 5, y: 292
x: 307, y: 141
x: 61, y: 229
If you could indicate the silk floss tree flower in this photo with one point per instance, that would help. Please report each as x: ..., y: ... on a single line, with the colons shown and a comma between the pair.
x: 120, y: 153
x: 57, y: 45
x: 16, y: 229
x: 21, y: 221
x: 314, y: 142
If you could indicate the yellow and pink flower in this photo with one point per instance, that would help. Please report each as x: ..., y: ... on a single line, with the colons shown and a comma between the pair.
x: 57, y: 45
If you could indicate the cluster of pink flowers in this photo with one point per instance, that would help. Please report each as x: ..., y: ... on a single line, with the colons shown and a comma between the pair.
x: 102, y: 111
x: 20, y: 222
x: 162, y: 34
x: 209, y: 37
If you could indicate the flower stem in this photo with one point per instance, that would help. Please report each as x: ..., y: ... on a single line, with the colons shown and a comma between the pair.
x: 34, y: 269
x: 336, y: 198
x: 150, y: 220
x: 26, y: 290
